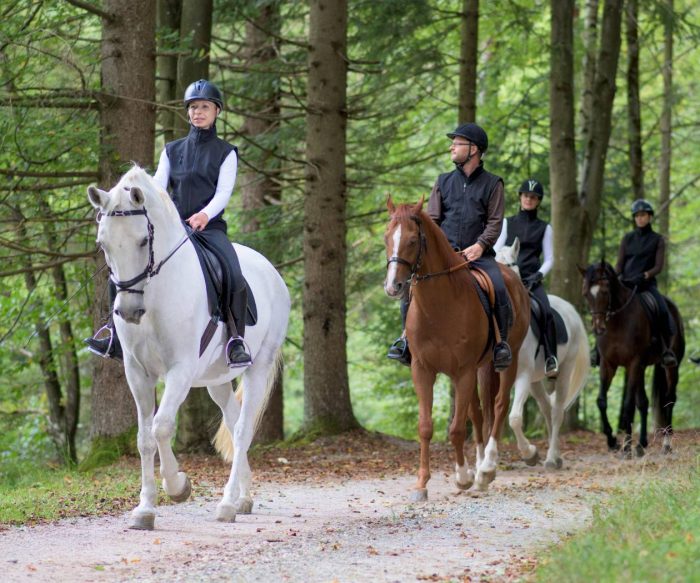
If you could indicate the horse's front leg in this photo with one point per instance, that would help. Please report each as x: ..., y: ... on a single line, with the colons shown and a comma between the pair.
x: 143, y: 389
x: 554, y: 461
x: 177, y: 384
x: 528, y: 452
x: 465, y: 387
x: 642, y: 403
x: 607, y: 373
x: 632, y: 380
x: 423, y: 381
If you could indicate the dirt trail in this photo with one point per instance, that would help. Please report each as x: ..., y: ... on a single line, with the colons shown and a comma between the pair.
x: 321, y: 524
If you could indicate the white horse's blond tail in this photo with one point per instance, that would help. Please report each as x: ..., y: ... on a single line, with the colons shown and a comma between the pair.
x: 582, y: 364
x: 223, y: 440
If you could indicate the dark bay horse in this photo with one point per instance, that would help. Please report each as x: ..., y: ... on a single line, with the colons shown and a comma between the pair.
x: 626, y: 339
x: 449, y: 332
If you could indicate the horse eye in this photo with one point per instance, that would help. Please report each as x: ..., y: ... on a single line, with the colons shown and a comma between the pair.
x: 144, y: 242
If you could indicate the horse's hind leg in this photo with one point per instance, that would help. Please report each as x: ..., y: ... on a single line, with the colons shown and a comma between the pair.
x: 642, y: 402
x: 230, y: 404
x: 554, y: 461
x: 464, y: 389
x: 255, y: 390
x: 143, y: 390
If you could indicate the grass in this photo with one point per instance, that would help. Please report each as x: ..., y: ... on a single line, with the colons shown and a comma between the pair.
x: 648, y: 533
x: 45, y: 494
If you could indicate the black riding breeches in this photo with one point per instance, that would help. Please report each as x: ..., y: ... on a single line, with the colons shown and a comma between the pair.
x: 546, y: 322
x: 665, y: 323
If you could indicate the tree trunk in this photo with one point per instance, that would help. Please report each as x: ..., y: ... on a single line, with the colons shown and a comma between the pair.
x: 469, y: 52
x: 327, y: 406
x: 590, y: 43
x: 196, y: 413
x: 634, y: 115
x: 127, y: 117
x: 664, y: 213
x: 195, y: 25
x: 260, y: 178
x: 168, y: 21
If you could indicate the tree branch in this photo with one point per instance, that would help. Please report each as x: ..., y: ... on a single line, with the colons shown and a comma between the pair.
x: 92, y: 9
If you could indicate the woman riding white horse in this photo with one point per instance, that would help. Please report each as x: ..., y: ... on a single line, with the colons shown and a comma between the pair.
x: 553, y: 395
x: 161, y: 314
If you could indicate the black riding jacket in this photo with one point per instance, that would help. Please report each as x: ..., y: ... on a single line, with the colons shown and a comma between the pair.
x: 530, y: 232
x: 195, y: 162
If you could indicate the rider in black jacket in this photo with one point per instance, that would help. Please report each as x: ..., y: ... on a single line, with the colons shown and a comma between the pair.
x: 640, y: 259
x: 199, y: 171
x: 468, y: 204
x: 535, y: 237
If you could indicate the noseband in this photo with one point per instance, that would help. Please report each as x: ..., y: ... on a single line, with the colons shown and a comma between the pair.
x: 151, y: 269
x: 609, y: 312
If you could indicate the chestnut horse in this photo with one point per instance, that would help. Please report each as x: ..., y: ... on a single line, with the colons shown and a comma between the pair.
x: 626, y: 339
x: 448, y: 331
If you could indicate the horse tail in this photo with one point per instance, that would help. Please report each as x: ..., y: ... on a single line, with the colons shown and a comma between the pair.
x: 582, y: 362
x: 223, y: 440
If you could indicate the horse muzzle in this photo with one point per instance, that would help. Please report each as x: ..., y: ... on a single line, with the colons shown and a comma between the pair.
x: 395, y: 289
x: 131, y: 316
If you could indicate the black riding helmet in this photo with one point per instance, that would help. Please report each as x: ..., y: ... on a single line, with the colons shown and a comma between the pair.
x: 204, y: 89
x: 642, y: 206
x: 532, y: 185
x: 474, y: 133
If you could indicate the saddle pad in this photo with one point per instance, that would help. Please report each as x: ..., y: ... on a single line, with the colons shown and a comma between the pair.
x: 213, y: 273
x: 559, y: 326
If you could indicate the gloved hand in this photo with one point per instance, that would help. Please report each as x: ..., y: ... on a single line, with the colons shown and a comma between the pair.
x: 532, y: 280
x: 638, y: 279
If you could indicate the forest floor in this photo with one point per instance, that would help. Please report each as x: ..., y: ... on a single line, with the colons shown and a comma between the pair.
x: 337, y: 510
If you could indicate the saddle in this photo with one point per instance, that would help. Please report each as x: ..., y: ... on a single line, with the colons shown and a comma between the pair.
x: 213, y: 271
x: 536, y: 312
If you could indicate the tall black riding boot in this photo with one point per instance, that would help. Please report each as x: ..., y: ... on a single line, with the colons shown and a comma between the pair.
x: 549, y: 337
x: 236, y: 351
x: 502, y: 356
x: 108, y: 346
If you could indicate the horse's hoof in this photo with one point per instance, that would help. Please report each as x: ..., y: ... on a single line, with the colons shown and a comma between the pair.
x: 613, y: 445
x: 557, y: 464
x: 464, y: 486
x: 226, y: 513
x: 483, y: 479
x: 143, y: 521
x: 625, y: 454
x: 419, y: 495
x: 639, y: 450
x: 533, y: 460
x: 244, y: 505
x: 185, y: 494
x: 666, y: 449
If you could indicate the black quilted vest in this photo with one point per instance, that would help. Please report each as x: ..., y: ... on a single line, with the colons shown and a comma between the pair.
x: 530, y: 231
x: 640, y: 252
x: 195, y: 162
x: 465, y: 202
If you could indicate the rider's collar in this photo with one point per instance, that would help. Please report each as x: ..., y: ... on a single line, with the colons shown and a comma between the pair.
x: 643, y: 230
x: 475, y: 173
x: 202, y: 135
x: 530, y: 215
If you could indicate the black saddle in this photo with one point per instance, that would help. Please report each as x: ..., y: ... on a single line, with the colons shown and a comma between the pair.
x: 213, y: 277
x: 536, y: 317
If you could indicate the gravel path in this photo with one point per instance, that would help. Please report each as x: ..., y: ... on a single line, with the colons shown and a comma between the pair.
x: 334, y: 530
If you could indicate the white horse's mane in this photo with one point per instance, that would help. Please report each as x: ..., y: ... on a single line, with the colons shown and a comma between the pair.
x: 154, y: 193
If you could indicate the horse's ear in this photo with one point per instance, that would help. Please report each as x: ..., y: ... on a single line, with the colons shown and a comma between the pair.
x: 582, y: 270
x: 98, y: 198
x: 390, y: 205
x: 136, y: 195
x: 419, y: 205
x: 516, y: 248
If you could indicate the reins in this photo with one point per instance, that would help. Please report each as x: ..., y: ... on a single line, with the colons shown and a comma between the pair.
x: 151, y: 269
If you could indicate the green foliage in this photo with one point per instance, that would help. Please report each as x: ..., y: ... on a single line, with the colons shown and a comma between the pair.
x: 104, y: 451
x: 648, y: 533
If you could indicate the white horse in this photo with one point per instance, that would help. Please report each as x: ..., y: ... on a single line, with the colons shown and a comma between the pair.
x: 160, y: 318
x: 553, y: 396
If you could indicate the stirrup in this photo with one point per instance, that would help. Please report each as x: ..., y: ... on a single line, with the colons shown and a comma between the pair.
x: 110, y: 344
x: 551, y: 367
x: 505, y: 360
x: 231, y: 364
